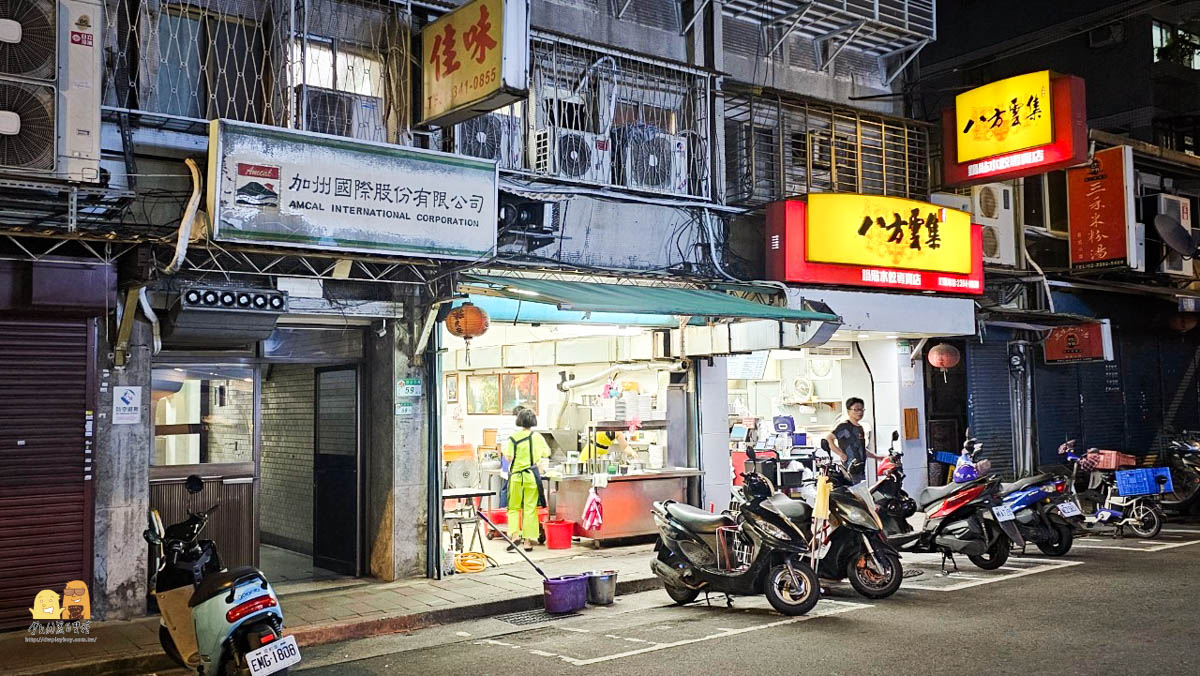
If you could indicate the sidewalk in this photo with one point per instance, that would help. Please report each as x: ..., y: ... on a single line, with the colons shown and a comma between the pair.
x: 125, y: 647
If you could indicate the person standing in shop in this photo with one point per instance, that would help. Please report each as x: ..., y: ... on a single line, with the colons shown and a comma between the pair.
x: 524, y: 451
x: 848, y: 440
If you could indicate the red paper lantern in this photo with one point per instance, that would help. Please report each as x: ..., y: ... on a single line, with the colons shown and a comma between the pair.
x: 1182, y: 322
x: 943, y: 356
x: 467, y: 321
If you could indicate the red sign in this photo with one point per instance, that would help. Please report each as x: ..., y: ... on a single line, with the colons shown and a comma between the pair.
x: 259, y: 171
x: 1082, y: 342
x: 787, y: 259
x: 79, y: 38
x: 1070, y: 145
x: 1100, y: 210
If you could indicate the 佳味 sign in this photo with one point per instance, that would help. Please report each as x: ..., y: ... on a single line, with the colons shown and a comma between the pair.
x: 1024, y: 125
x: 874, y: 241
x: 474, y: 59
x: 1101, y: 210
x: 1081, y: 342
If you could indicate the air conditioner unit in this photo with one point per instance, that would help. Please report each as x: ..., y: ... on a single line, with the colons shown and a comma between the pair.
x: 1180, y: 209
x: 577, y: 155
x: 50, y: 89
x: 495, y: 136
x: 1107, y: 35
x: 648, y: 159
x: 831, y: 350
x: 526, y: 225
x: 992, y: 207
x: 951, y: 200
x: 752, y: 169
x: 343, y: 114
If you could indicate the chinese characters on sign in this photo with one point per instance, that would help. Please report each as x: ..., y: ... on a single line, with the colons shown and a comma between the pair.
x: 1004, y: 116
x: 475, y: 59
x: 1082, y: 342
x: 1100, y: 210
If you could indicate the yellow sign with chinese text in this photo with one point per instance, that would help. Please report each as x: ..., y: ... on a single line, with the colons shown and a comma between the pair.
x: 887, y: 232
x: 1004, y: 116
x: 463, y: 58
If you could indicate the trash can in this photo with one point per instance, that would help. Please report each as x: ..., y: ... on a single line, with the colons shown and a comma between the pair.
x: 601, y: 587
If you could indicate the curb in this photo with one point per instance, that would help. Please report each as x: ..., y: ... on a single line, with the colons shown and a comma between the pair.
x: 312, y: 635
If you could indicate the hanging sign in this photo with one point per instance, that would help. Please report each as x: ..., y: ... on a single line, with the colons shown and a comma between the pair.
x: 1101, y: 211
x: 1023, y: 125
x: 872, y: 240
x: 127, y: 405
x: 1091, y: 341
x: 475, y: 59
x: 283, y: 187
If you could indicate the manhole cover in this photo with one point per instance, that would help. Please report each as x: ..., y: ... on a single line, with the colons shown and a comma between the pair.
x: 913, y: 572
x: 533, y: 617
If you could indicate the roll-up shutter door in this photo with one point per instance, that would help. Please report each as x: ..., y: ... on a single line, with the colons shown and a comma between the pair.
x: 1056, y: 412
x: 989, y: 409
x: 1177, y: 354
x: 1143, y: 391
x: 45, y: 461
x: 1103, y: 410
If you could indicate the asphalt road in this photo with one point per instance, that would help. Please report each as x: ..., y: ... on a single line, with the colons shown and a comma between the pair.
x: 1109, y: 607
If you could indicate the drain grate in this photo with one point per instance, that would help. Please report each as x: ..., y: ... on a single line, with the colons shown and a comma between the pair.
x: 533, y: 617
x: 913, y: 572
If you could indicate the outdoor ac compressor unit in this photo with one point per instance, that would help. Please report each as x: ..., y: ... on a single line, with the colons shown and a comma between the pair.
x: 215, y: 315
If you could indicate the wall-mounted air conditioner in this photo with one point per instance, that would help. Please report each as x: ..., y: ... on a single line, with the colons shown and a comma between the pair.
x: 343, y: 114
x: 494, y: 136
x: 50, y: 56
x: 992, y: 206
x: 648, y: 159
x: 1180, y: 209
x: 577, y: 155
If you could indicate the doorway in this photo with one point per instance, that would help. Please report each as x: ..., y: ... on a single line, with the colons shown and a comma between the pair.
x: 945, y: 406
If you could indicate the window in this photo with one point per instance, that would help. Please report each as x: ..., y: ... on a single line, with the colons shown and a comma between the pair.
x: 1176, y: 45
x: 203, y: 414
x: 339, y: 89
x: 1044, y: 201
x: 1160, y: 37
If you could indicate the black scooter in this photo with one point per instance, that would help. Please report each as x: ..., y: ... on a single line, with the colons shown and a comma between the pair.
x: 763, y: 554
x: 1183, y: 458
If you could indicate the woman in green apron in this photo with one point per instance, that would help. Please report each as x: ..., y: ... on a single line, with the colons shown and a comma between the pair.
x: 523, y: 451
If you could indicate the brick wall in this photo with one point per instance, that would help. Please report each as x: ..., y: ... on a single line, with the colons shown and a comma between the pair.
x: 287, y: 457
x: 230, y: 421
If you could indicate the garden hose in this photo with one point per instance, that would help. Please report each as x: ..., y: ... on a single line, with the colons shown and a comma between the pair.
x: 471, y: 562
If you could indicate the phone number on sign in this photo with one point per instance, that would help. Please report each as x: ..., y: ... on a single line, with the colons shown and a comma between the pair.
x: 477, y: 82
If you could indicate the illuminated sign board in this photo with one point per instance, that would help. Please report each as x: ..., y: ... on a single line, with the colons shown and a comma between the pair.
x: 982, y: 144
x: 1101, y: 211
x: 876, y: 241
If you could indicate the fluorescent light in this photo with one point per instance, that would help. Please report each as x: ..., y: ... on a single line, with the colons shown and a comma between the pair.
x: 523, y: 292
x: 862, y: 336
x: 892, y: 335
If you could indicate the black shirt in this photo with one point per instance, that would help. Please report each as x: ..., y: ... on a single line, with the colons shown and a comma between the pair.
x: 852, y: 439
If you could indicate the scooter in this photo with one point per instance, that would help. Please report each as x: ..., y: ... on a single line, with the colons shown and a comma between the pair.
x: 1045, y: 513
x: 764, y: 554
x: 1183, y: 458
x: 1113, y: 513
x: 214, y: 621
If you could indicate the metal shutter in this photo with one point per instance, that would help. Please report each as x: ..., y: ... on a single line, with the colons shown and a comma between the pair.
x: 45, y: 462
x: 1056, y: 408
x: 1103, y: 410
x: 1143, y: 392
x: 1177, y: 355
x: 989, y: 409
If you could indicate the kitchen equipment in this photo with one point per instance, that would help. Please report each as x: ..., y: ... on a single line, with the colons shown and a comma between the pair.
x: 572, y: 468
x: 601, y: 587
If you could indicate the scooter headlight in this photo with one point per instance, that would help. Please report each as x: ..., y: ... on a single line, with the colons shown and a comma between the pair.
x: 856, y: 515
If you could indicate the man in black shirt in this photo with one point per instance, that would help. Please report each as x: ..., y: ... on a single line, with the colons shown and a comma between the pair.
x: 848, y: 440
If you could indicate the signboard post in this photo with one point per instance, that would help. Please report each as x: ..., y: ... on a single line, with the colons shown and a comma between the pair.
x: 276, y: 186
x: 1101, y: 211
x: 475, y: 59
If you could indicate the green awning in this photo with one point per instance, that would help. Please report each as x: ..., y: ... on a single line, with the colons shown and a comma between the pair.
x: 591, y: 297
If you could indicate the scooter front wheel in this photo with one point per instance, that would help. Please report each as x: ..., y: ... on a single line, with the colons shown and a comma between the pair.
x: 875, y: 580
x: 784, y: 595
x: 1147, y: 520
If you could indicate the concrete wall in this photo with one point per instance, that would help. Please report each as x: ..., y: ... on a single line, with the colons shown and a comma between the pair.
x: 713, y: 386
x: 286, y: 469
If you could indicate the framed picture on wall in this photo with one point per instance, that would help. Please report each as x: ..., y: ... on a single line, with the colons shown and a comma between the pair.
x: 483, y: 394
x: 451, y: 388
x: 518, y: 389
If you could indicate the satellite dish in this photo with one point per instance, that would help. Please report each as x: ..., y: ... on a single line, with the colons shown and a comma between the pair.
x: 1175, y: 235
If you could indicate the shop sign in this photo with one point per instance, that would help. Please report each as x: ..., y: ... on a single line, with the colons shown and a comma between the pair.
x: 1024, y: 125
x: 474, y: 59
x: 283, y: 187
x: 1101, y: 210
x: 872, y: 240
x: 127, y: 405
x: 1091, y: 341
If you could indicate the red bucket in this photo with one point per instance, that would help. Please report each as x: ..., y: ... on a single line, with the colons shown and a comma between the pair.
x: 558, y: 534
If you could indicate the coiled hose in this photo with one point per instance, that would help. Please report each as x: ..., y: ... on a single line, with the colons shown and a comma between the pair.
x: 471, y: 562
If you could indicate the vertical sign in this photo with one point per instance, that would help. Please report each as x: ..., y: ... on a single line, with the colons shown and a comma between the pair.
x: 127, y: 405
x: 1100, y: 210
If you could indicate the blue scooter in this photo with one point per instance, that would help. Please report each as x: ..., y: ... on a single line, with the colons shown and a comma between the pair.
x: 214, y: 621
x: 1043, y: 511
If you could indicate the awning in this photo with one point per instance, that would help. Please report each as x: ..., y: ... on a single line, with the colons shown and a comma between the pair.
x: 623, y: 298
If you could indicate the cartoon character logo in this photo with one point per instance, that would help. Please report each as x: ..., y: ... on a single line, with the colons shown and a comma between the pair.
x: 45, y: 606
x: 76, y: 605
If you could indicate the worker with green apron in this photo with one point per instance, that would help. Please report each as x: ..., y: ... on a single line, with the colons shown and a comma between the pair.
x: 523, y: 451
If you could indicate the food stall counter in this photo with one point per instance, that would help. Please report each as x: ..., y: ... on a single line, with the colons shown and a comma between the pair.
x: 626, y: 499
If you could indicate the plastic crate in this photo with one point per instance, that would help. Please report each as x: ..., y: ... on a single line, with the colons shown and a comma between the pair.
x: 1143, y: 481
x: 946, y: 457
x: 1115, y: 460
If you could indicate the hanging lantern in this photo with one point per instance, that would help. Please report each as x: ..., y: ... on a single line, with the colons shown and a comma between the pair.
x: 943, y: 356
x: 467, y: 321
x: 1182, y: 322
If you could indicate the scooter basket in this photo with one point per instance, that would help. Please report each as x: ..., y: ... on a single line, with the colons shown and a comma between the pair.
x: 1144, y: 481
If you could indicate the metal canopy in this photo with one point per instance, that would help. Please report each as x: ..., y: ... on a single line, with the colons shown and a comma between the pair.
x: 894, y: 31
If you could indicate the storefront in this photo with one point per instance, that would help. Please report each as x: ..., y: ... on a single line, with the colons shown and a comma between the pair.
x: 612, y: 379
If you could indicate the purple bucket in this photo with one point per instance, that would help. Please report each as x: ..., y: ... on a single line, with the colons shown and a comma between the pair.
x: 565, y: 594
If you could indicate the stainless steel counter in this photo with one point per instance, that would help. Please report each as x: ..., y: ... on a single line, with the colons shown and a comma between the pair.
x: 626, y: 499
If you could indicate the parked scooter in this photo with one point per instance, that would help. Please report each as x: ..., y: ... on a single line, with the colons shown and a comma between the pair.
x: 1044, y: 511
x: 1113, y: 513
x: 1182, y: 456
x: 763, y: 554
x: 214, y: 621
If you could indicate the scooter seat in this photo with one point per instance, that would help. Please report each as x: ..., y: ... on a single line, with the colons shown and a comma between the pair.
x: 219, y: 583
x: 697, y: 520
x: 1022, y: 484
x: 792, y: 509
x: 934, y: 493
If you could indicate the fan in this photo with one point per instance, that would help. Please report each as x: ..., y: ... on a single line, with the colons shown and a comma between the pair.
x: 574, y: 155
x: 651, y: 159
x: 27, y: 38
x: 482, y: 136
x: 27, y: 134
x: 462, y: 474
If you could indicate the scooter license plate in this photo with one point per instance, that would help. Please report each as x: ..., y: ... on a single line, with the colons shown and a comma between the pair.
x: 1069, y: 509
x: 272, y: 657
x: 1003, y: 513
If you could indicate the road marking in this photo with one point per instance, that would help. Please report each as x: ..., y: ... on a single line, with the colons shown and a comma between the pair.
x: 462, y: 633
x: 576, y: 630
x: 542, y: 653
x: 1045, y: 567
x: 1154, y: 545
x: 841, y: 607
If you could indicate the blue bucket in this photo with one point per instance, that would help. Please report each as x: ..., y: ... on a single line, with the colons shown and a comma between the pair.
x: 565, y: 594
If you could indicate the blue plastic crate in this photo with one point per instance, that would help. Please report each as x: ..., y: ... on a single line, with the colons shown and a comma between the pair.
x: 946, y: 457
x: 1143, y: 481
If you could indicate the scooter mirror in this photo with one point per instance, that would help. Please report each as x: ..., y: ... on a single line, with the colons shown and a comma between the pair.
x: 194, y: 484
x: 895, y: 435
x: 825, y: 445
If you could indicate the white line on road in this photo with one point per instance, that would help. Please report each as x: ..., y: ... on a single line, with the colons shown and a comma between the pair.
x: 842, y: 607
x: 576, y: 630
x: 542, y: 653
x: 1155, y: 547
x: 996, y: 578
